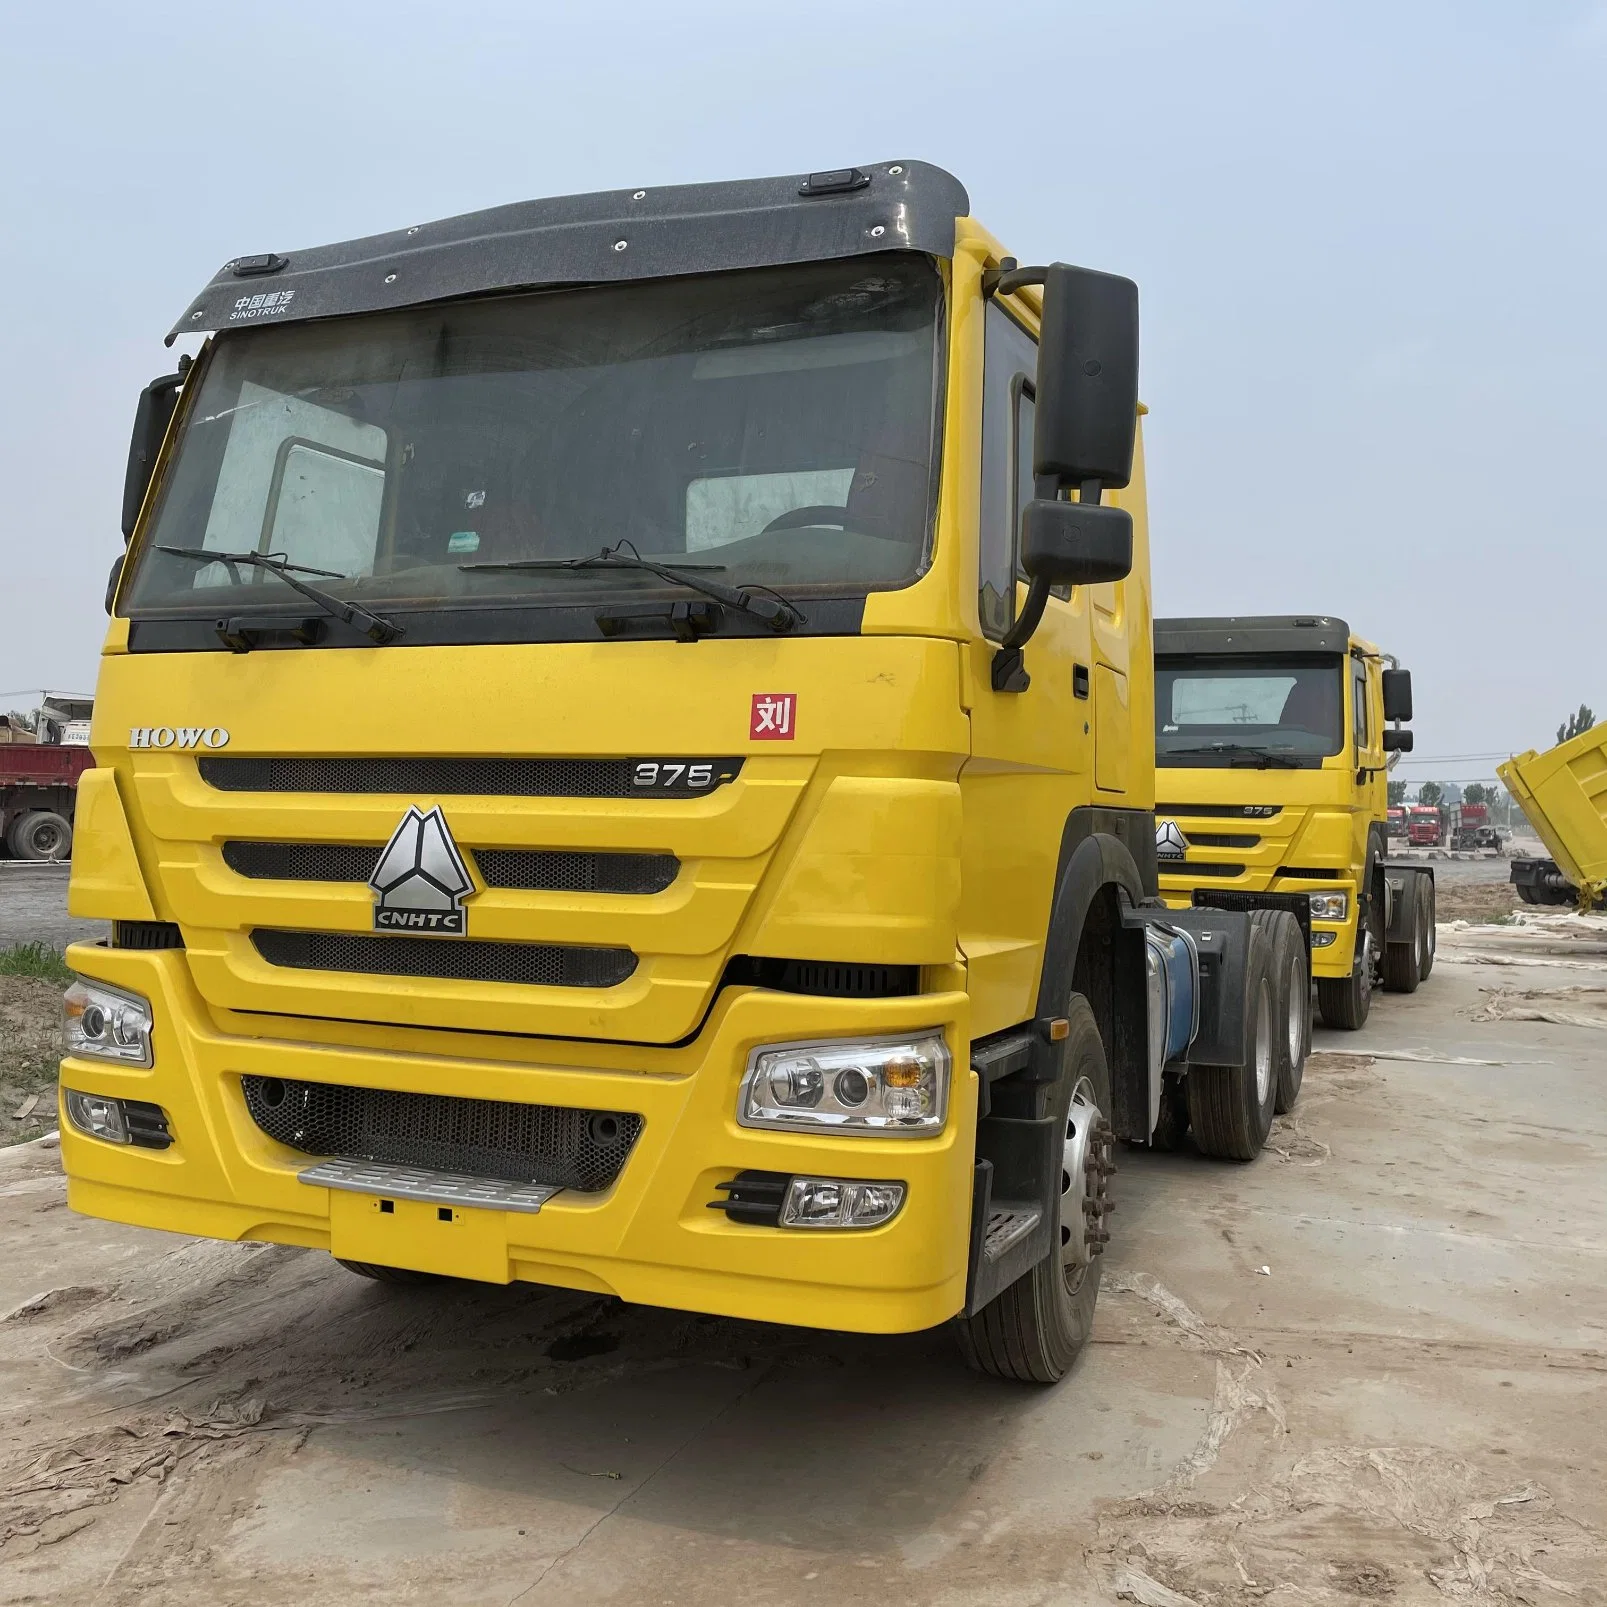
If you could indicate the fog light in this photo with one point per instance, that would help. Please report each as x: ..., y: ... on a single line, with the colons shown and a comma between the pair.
x: 98, y: 1115
x: 1329, y: 906
x: 1321, y: 940
x: 834, y: 1202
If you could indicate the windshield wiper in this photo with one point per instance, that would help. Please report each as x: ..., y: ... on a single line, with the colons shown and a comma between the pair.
x: 374, y: 626
x: 774, y: 611
x: 1235, y: 752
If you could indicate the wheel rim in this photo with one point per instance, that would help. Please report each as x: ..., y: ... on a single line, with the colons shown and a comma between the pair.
x: 46, y: 840
x: 1299, y: 1003
x: 1086, y: 1166
x: 1366, y: 987
x: 1263, y: 1042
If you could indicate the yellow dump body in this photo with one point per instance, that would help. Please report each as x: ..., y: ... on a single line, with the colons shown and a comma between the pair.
x: 1563, y: 793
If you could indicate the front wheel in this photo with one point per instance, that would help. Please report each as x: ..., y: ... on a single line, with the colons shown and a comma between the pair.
x: 1425, y: 926
x: 384, y: 1274
x: 1032, y: 1331
x: 1346, y: 1002
x: 43, y: 834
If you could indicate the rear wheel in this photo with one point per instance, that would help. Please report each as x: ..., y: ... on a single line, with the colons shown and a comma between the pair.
x: 1346, y: 1002
x: 1291, y: 975
x: 1032, y: 1331
x: 41, y: 835
x: 1230, y: 1107
x: 383, y: 1274
x: 1425, y: 927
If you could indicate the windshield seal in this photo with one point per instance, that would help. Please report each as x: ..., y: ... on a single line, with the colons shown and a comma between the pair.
x: 780, y: 427
x: 1271, y: 711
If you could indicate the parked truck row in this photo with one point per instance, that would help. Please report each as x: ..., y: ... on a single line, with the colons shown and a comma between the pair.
x: 626, y: 759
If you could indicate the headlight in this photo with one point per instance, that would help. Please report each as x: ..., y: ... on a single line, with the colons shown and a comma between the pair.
x: 1330, y: 906
x: 893, y: 1086
x: 103, y: 1023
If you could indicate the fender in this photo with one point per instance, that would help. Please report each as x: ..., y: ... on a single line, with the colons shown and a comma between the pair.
x: 1021, y: 1129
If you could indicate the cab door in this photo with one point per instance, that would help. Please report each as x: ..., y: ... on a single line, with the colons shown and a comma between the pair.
x: 1032, y: 752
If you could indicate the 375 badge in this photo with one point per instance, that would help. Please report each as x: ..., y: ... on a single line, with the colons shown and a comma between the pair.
x: 774, y: 717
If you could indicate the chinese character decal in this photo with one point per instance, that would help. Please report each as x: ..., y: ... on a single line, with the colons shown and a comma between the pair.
x: 774, y: 716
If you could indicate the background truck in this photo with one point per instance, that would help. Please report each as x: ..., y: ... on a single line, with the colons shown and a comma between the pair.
x: 1395, y: 822
x: 582, y: 796
x: 1468, y: 827
x: 1272, y: 750
x: 39, y: 770
x: 1563, y: 795
x: 1425, y: 826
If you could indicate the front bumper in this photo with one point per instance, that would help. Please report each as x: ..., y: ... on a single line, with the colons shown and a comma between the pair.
x: 649, y: 1239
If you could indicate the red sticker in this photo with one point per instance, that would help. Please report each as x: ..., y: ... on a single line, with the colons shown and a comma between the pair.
x: 773, y: 716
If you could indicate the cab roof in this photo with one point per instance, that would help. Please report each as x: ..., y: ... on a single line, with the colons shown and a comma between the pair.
x: 1233, y: 635
x: 605, y: 237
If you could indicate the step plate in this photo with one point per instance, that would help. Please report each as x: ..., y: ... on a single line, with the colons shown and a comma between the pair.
x: 436, y: 1188
x: 1006, y: 1228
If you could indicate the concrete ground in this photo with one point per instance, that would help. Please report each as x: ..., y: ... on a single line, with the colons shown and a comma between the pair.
x: 33, y: 907
x: 1368, y: 1366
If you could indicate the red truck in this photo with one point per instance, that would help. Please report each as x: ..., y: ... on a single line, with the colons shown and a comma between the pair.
x: 1468, y: 826
x: 1423, y: 826
x: 40, y: 764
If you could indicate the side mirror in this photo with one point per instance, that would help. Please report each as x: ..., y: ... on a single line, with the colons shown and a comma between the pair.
x: 112, y: 580
x: 1397, y: 695
x: 1085, y: 412
x: 1076, y: 543
x: 151, y: 419
x: 1397, y: 741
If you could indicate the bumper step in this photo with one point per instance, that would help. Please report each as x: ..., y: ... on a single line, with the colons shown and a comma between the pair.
x: 435, y: 1188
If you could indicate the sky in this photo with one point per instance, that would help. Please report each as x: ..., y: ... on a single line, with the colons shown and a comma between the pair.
x: 1370, y: 241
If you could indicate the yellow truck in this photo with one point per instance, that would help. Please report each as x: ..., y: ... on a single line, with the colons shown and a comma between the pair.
x: 623, y: 761
x: 1563, y: 795
x: 1273, y: 738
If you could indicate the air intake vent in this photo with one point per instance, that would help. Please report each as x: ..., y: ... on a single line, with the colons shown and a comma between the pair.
x: 146, y: 935
x: 1223, y: 839
x: 1200, y: 867
x: 530, y: 870
x: 542, y: 965
x: 578, y: 1149
x: 475, y: 778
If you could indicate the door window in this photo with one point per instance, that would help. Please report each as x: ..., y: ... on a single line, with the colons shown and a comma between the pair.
x: 1009, y: 364
x: 1358, y: 704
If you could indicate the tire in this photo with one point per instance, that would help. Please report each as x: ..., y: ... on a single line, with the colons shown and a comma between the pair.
x: 1291, y: 972
x: 1033, y: 1331
x: 41, y: 835
x: 1526, y: 893
x: 1426, y: 935
x: 1230, y: 1107
x: 1346, y: 1002
x: 380, y: 1274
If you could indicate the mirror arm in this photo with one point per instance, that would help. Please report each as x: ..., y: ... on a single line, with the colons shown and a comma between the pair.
x: 1009, y: 672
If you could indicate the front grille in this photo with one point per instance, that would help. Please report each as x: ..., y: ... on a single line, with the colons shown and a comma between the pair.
x: 1315, y: 873
x: 475, y: 778
x: 552, y: 871
x: 534, y: 870
x: 146, y: 935
x: 578, y: 1149
x: 542, y: 965
x: 1224, y: 839
x: 1200, y: 867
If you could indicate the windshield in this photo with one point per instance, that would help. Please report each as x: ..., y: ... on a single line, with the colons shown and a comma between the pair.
x: 1244, y: 711
x: 772, y: 428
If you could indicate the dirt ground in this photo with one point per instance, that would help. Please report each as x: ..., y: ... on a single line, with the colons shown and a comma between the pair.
x: 1369, y: 1366
x: 30, y: 1047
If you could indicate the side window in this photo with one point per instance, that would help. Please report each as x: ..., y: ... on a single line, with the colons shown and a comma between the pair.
x: 1358, y: 703
x: 1010, y: 362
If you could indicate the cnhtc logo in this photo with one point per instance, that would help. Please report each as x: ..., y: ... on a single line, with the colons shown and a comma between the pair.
x: 1170, y: 843
x: 421, y: 881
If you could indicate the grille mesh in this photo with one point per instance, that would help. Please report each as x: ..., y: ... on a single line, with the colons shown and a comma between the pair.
x: 468, y: 778
x: 525, y: 869
x: 579, y: 1149
x: 548, y: 965
x: 1200, y: 867
x: 1224, y: 839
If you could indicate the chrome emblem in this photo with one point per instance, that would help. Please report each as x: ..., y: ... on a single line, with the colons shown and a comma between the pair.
x: 1170, y: 843
x: 178, y: 736
x: 420, y: 882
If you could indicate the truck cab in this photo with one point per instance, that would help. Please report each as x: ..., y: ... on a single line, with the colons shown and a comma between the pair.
x: 623, y: 761
x: 1273, y: 743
